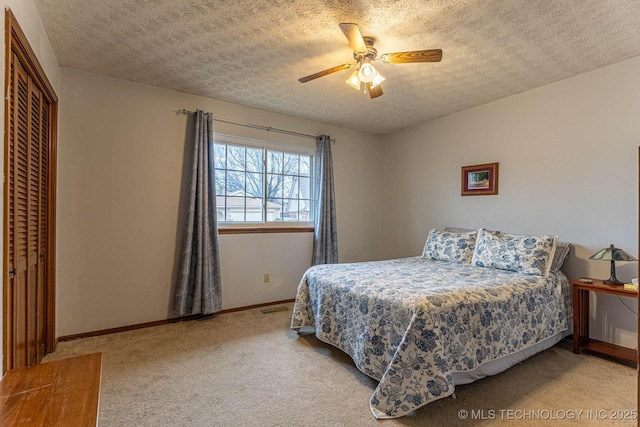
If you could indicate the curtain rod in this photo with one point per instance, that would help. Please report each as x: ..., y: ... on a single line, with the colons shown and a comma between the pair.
x: 251, y: 125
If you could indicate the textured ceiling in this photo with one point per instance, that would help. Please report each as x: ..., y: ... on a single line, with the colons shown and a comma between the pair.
x: 252, y: 52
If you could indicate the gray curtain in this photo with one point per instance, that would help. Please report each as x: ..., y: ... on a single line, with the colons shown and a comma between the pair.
x: 199, y: 289
x: 325, y: 241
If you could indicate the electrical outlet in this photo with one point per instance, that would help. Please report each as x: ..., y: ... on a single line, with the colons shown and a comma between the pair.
x: 266, y: 278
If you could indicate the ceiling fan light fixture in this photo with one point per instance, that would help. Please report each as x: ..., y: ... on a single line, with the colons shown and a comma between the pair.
x: 367, y: 77
x: 354, y: 80
x: 377, y: 79
x: 366, y: 73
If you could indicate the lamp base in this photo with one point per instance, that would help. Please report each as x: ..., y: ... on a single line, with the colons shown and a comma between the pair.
x: 613, y: 280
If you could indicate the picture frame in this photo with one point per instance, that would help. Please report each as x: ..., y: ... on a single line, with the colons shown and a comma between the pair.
x: 480, y: 180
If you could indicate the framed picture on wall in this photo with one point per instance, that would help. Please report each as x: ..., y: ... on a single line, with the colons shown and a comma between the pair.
x: 480, y: 180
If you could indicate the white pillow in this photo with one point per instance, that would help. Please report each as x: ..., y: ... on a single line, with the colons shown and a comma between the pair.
x: 450, y: 247
x: 523, y: 254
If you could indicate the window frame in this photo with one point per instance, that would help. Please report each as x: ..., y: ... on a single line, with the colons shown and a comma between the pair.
x: 264, y: 226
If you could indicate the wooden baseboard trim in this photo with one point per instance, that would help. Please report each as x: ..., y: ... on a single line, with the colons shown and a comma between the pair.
x: 128, y: 328
x: 249, y: 307
x: 165, y: 321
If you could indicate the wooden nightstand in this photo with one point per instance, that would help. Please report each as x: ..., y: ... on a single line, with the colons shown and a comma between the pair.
x: 581, y: 319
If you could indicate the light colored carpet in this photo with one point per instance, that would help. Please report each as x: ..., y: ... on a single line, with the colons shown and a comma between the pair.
x: 248, y: 369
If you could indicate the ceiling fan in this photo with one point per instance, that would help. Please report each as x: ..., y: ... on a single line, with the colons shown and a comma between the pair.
x: 364, y: 53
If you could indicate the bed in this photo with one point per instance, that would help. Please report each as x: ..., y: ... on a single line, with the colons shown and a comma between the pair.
x: 422, y: 325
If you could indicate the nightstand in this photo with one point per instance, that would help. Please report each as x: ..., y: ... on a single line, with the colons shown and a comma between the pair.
x: 581, y: 319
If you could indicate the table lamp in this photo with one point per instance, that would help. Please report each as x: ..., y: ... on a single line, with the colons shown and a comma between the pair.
x: 612, y: 254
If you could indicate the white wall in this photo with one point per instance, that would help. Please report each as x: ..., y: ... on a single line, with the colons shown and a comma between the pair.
x: 567, y: 153
x: 568, y: 156
x: 27, y: 16
x: 120, y: 171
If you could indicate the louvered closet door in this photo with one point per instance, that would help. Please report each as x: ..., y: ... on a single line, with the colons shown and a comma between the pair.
x: 43, y: 225
x: 36, y: 255
x: 27, y: 205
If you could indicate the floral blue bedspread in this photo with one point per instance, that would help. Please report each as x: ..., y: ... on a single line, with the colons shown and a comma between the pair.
x: 410, y: 323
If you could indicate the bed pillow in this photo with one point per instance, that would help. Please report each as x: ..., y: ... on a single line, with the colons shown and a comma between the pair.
x: 459, y: 230
x: 450, y: 247
x: 562, y: 251
x: 523, y: 254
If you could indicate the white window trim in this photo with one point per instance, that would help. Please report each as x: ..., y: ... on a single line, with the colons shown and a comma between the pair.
x: 266, y: 145
x: 258, y: 143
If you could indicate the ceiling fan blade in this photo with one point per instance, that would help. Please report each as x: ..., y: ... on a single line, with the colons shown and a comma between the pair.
x: 324, y: 72
x: 430, y: 55
x: 352, y: 32
x: 374, y: 92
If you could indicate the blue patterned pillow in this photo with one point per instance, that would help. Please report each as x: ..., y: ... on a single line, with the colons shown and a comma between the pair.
x: 450, y: 247
x: 523, y: 254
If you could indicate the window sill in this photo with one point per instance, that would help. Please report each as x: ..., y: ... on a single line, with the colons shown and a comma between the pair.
x: 262, y: 230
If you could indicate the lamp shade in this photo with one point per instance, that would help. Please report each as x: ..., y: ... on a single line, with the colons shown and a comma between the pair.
x: 612, y: 254
x: 366, y: 72
x: 377, y: 79
x: 353, y: 80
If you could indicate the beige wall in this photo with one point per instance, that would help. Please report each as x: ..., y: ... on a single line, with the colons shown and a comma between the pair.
x: 568, y: 162
x: 27, y: 15
x: 120, y: 171
x: 568, y: 156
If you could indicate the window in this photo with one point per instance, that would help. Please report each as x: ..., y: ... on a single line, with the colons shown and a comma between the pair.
x: 262, y: 184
